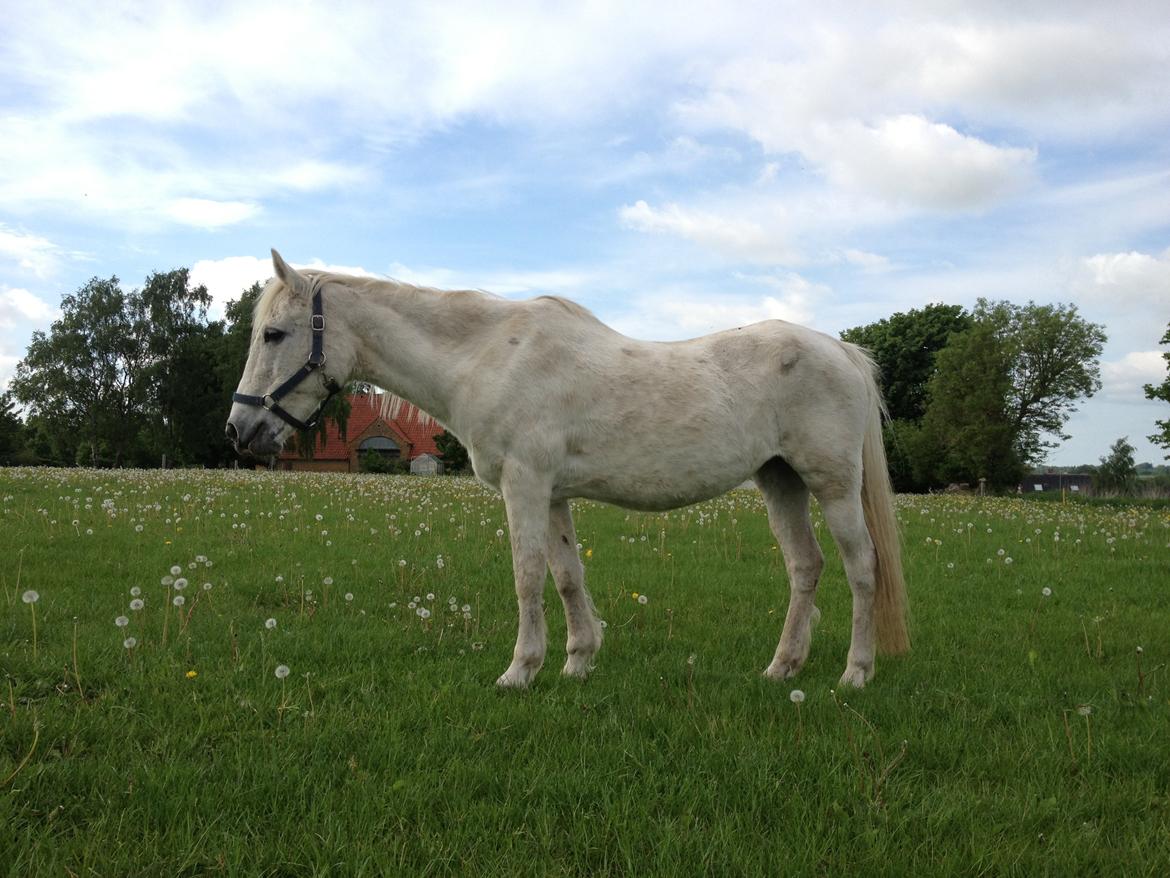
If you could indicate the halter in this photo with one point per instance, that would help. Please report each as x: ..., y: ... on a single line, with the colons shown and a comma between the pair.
x: 271, y: 401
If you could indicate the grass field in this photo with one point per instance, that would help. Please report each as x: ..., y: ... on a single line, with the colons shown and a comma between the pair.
x: 1025, y: 734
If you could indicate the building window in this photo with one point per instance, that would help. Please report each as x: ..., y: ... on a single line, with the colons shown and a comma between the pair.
x: 383, y: 446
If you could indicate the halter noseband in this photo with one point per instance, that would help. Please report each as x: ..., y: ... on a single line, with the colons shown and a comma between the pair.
x: 271, y: 401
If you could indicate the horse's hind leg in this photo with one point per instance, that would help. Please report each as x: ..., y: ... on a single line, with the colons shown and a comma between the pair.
x: 786, y: 497
x: 569, y: 574
x: 846, y: 521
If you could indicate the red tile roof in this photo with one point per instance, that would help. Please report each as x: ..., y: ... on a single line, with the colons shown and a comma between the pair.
x: 364, y: 414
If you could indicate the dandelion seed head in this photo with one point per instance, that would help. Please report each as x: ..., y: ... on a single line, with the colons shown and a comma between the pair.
x: 269, y: 624
x: 176, y: 570
x: 1084, y: 709
x: 642, y: 599
x: 130, y: 642
x: 122, y: 621
x: 135, y: 592
x: 1046, y: 591
x: 137, y: 604
x: 30, y: 596
x: 796, y: 696
x: 281, y: 671
x: 178, y: 600
x: 180, y: 583
x: 348, y: 596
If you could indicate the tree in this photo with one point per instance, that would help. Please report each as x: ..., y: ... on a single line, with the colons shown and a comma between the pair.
x: 1162, y: 392
x: 452, y: 452
x: 1051, y: 354
x: 1117, y: 472
x: 968, y: 433
x: 171, y: 321
x: 83, y: 382
x: 11, y: 430
x: 904, y: 347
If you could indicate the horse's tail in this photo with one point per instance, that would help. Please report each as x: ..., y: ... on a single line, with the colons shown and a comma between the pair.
x: 877, y: 503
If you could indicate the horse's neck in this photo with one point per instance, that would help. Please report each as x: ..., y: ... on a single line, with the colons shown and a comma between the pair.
x: 409, y: 340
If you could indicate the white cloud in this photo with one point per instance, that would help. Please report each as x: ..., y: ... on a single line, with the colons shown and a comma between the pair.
x: 32, y: 253
x: 204, y: 213
x: 735, y: 236
x: 1128, y: 279
x: 1122, y: 380
x: 29, y: 307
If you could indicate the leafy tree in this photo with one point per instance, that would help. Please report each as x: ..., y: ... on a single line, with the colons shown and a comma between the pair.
x: 968, y: 432
x: 12, y: 441
x: 1051, y: 354
x: 83, y: 382
x: 1117, y: 472
x: 904, y: 346
x: 452, y: 452
x: 1162, y: 392
x: 171, y: 320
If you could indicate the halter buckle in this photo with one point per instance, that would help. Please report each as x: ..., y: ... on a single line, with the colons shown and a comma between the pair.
x: 317, y: 323
x: 268, y: 401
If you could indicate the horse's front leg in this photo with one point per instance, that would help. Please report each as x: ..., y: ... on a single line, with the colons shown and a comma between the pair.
x: 526, y: 499
x: 565, y: 563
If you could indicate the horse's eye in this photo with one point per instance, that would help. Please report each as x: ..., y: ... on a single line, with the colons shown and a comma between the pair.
x: 273, y: 335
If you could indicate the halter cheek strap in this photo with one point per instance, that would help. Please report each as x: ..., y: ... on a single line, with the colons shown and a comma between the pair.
x: 271, y: 400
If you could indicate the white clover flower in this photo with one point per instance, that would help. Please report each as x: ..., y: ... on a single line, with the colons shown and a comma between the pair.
x: 30, y: 597
x: 796, y: 696
x: 281, y: 671
x: 122, y: 621
x: 137, y: 604
x: 130, y: 642
x: 269, y: 624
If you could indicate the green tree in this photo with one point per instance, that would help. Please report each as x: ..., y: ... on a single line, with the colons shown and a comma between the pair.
x: 967, y: 433
x: 1162, y: 392
x: 171, y: 320
x: 1117, y: 471
x: 904, y: 347
x: 83, y: 382
x: 1051, y: 354
x: 12, y: 441
x: 452, y: 452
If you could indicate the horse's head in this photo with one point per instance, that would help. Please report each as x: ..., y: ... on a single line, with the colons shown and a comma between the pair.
x: 294, y: 363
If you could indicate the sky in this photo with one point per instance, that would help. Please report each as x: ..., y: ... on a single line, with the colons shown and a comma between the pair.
x: 677, y: 167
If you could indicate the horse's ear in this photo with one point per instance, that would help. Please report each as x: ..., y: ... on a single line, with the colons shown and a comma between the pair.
x: 287, y: 274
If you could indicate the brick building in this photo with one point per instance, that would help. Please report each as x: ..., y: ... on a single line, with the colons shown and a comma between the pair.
x: 405, y: 437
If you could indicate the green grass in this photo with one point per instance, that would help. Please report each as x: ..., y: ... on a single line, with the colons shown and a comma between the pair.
x: 387, y: 750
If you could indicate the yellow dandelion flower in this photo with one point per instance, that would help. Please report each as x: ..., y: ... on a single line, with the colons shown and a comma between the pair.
x: 588, y: 553
x: 191, y: 675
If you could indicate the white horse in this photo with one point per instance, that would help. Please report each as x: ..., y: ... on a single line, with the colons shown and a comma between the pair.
x: 552, y: 404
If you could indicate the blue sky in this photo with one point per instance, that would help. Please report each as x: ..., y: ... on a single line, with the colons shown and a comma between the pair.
x: 676, y: 167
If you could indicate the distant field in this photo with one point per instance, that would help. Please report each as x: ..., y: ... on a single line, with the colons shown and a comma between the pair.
x: 1026, y: 733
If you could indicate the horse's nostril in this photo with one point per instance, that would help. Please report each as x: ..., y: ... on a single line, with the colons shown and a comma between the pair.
x: 230, y: 432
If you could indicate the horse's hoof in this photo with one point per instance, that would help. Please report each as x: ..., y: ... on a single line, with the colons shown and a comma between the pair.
x: 517, y: 677
x: 783, y: 670
x: 576, y: 667
x: 856, y: 676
